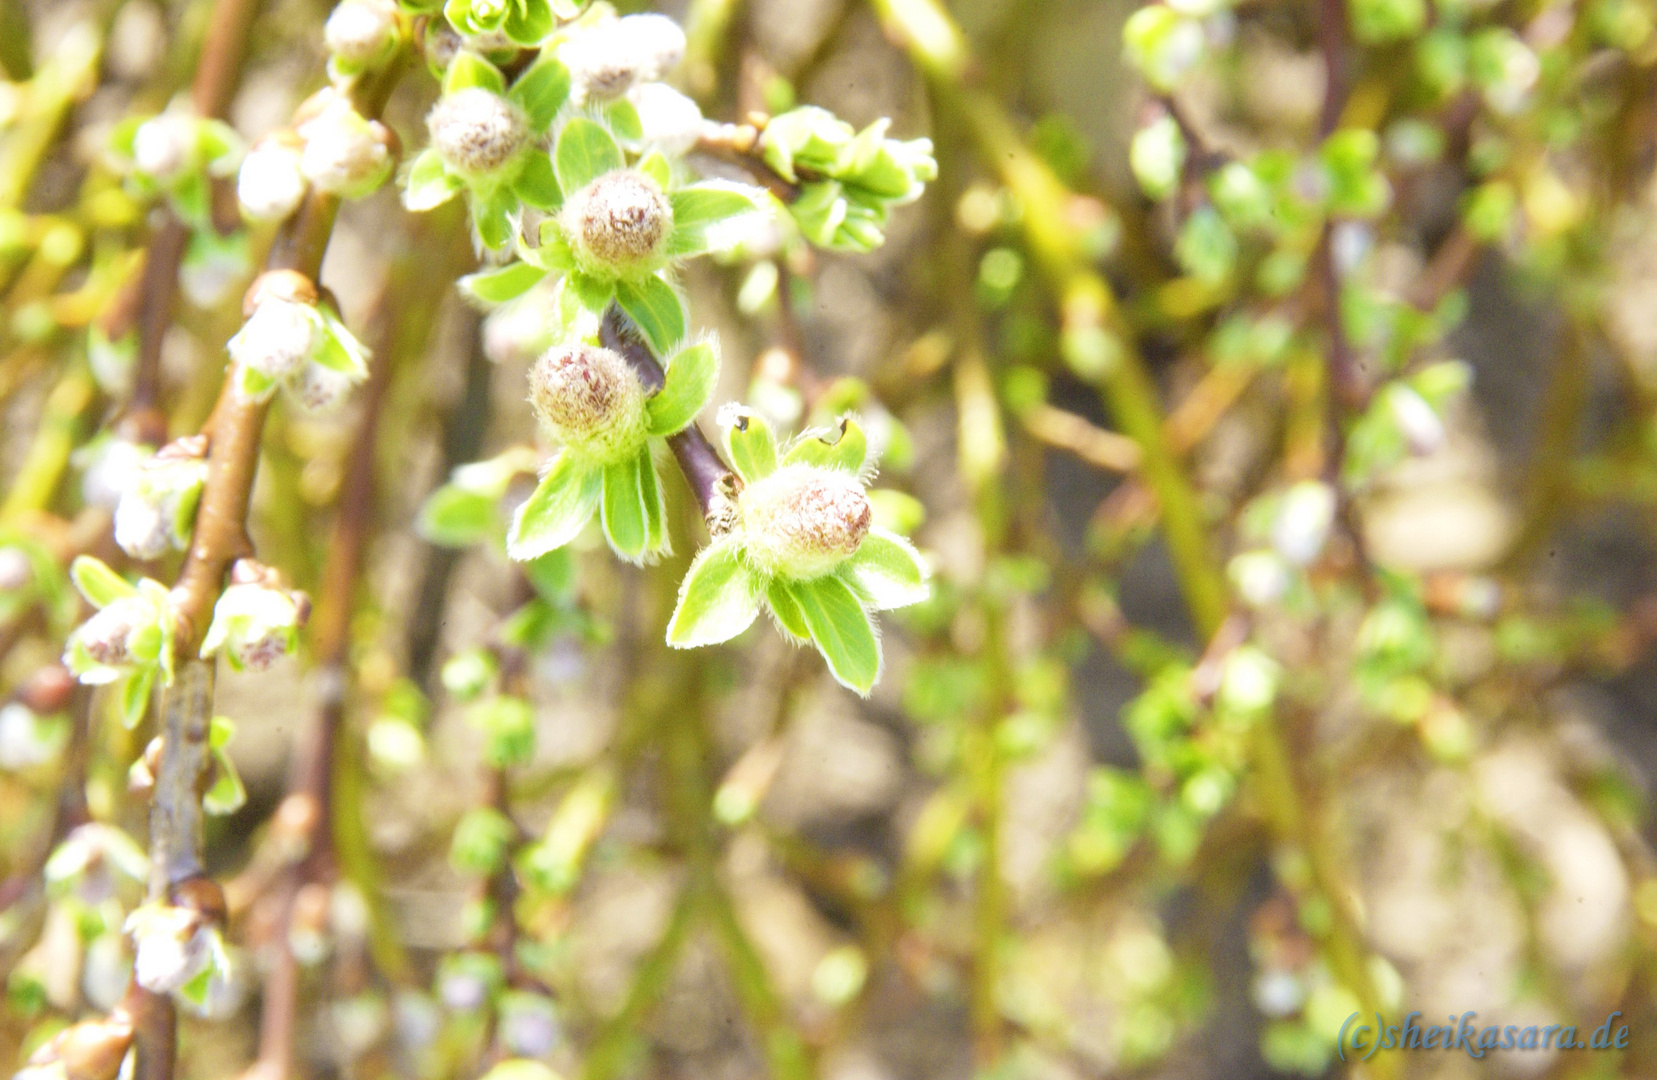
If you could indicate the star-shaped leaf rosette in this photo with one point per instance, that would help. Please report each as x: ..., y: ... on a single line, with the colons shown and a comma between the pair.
x: 801, y: 542
x: 487, y: 140
x: 616, y: 236
x: 592, y: 403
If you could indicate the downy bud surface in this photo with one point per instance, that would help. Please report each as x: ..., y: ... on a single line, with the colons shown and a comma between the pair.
x: 277, y: 339
x: 157, y: 512
x: 801, y: 522
x: 271, y: 184
x: 475, y: 131
x: 361, y: 33
x: 609, y: 59
x: 255, y: 621
x: 171, y: 946
x: 619, y: 224
x: 344, y: 153
x: 165, y: 145
x: 590, y: 401
x: 122, y: 635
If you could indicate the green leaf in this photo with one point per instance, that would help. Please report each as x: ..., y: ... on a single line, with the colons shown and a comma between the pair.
x: 227, y: 795
x: 584, y: 153
x: 656, y: 541
x: 655, y: 165
x: 691, y: 376
x: 529, y: 22
x: 847, y: 452
x: 624, y: 515
x: 886, y: 572
x: 623, y: 119
x: 135, y: 697
x: 455, y: 518
x: 750, y: 445
x: 541, y: 91
x: 789, y: 617
x: 657, y: 310
x: 429, y: 184
x: 552, y: 574
x: 563, y: 502
x: 841, y: 630
x: 552, y: 254
x: 501, y: 284
x: 590, y: 292
x: 535, y: 183
x: 98, y: 583
x: 492, y: 216
x: 468, y: 69
x: 698, y: 208
x: 718, y: 599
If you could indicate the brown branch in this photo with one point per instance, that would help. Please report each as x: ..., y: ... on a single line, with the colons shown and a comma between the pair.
x: 738, y: 144
x: 710, y: 479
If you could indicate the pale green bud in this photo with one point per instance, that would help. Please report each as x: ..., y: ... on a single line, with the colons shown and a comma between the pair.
x: 801, y: 522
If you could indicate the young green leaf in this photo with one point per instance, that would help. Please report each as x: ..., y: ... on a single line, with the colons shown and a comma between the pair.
x: 593, y: 294
x: 718, y: 599
x: 841, y: 630
x: 528, y: 22
x: 750, y: 445
x: 492, y: 214
x: 887, y: 572
x: 468, y: 69
x: 847, y: 449
x: 584, y: 153
x: 535, y: 183
x: 624, y: 523
x: 541, y: 91
x: 787, y: 613
x: 98, y: 583
x: 691, y: 376
x: 698, y: 208
x: 563, y: 502
x: 135, y: 697
x: 455, y: 518
x: 655, y: 509
x: 655, y: 165
x: 657, y: 310
x: 502, y: 283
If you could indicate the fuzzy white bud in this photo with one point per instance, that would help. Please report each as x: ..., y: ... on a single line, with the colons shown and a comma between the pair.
x: 123, y: 633
x: 278, y: 338
x: 475, y: 131
x: 361, y: 33
x: 801, y: 522
x: 255, y: 622
x: 589, y: 399
x: 157, y: 512
x: 670, y: 120
x: 163, y: 146
x: 1417, y: 421
x: 619, y: 223
x: 26, y: 740
x: 609, y: 59
x: 171, y: 946
x: 344, y: 153
x: 320, y: 388
x: 271, y: 182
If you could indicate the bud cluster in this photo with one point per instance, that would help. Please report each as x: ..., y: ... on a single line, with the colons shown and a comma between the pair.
x: 360, y: 35
x: 131, y: 633
x: 610, y: 58
x: 255, y: 621
x: 157, y: 512
x: 345, y: 154
x: 174, y: 154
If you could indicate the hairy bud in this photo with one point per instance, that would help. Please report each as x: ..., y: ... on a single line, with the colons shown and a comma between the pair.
x: 320, y: 388
x: 124, y: 633
x: 361, y: 33
x: 344, y: 153
x: 255, y: 621
x: 171, y: 946
x: 589, y: 399
x: 475, y: 131
x: 271, y: 184
x: 611, y: 58
x: 277, y: 339
x: 163, y: 146
x: 669, y: 119
x: 619, y: 223
x: 801, y: 522
x: 157, y: 512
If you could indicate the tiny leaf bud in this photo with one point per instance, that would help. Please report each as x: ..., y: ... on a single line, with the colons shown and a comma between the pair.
x: 361, y: 33
x: 608, y: 60
x: 171, y: 946
x: 157, y: 512
x: 344, y: 153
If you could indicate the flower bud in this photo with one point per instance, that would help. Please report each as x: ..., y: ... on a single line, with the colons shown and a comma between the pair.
x: 528, y: 1025
x: 440, y: 43
x: 255, y: 620
x: 320, y: 388
x: 164, y: 146
x: 270, y: 184
x: 125, y: 633
x: 669, y: 119
x: 344, y: 153
x: 611, y: 58
x: 171, y: 946
x: 157, y: 513
x: 361, y: 33
x: 619, y: 223
x: 801, y: 522
x: 277, y: 340
x: 590, y: 400
x: 475, y: 131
